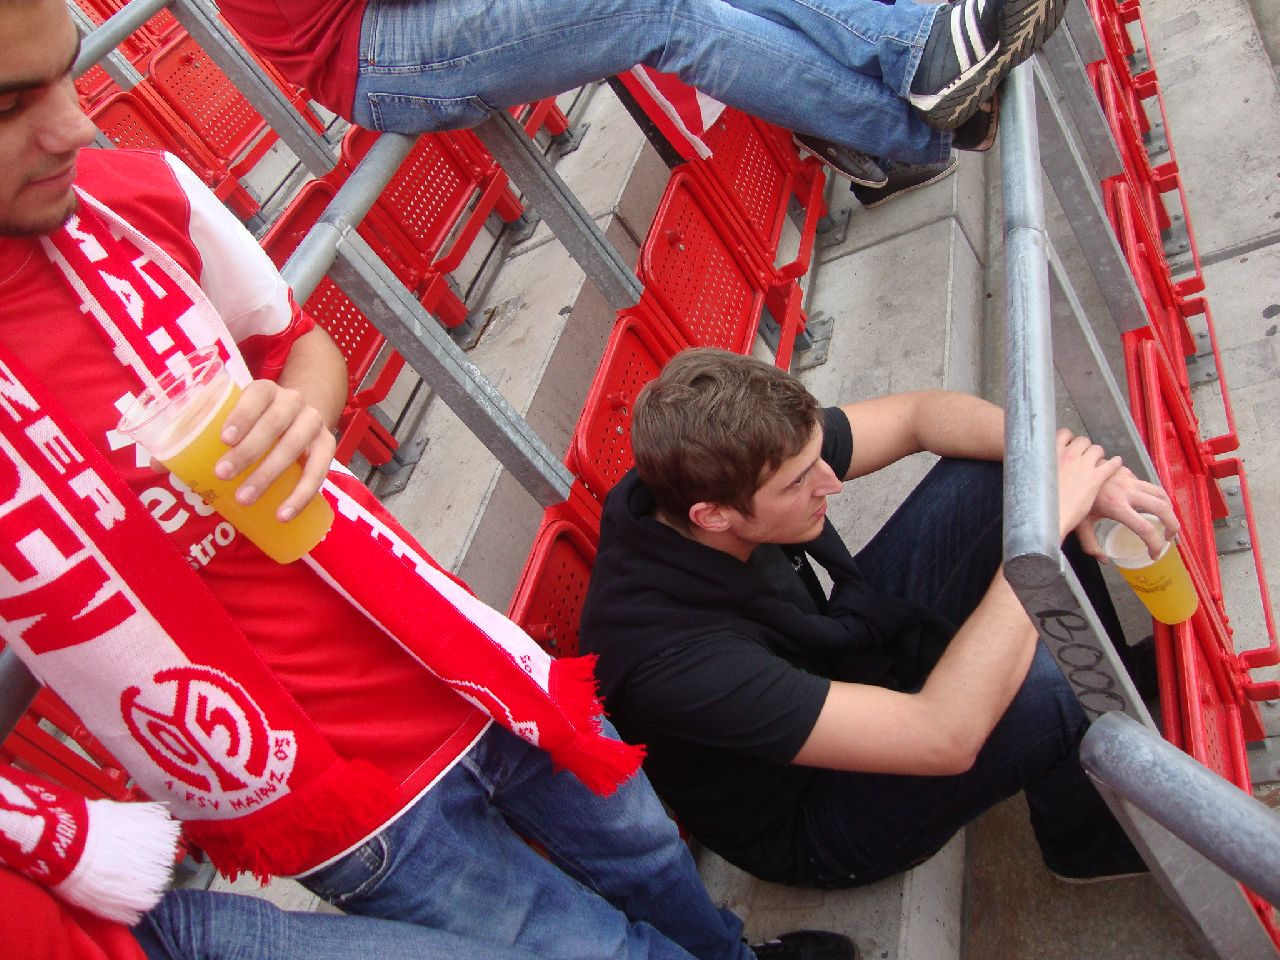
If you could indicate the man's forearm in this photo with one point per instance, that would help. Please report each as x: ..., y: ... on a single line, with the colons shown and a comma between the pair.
x: 315, y: 369
x: 981, y: 671
x: 959, y: 425
x: 938, y: 730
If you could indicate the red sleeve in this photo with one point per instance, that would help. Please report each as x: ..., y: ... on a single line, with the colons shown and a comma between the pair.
x: 50, y: 930
x: 265, y: 354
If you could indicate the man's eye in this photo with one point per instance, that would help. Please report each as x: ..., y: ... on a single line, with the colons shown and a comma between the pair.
x: 8, y: 104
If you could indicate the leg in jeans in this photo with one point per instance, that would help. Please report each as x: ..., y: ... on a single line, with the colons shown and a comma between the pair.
x: 198, y: 925
x: 429, y: 66
x: 616, y: 882
x: 941, y: 549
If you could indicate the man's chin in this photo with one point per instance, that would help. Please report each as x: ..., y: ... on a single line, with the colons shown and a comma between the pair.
x: 36, y: 223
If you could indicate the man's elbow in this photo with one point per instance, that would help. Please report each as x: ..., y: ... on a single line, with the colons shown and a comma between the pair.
x: 954, y: 752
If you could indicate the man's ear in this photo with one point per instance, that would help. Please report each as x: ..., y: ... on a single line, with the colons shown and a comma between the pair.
x: 711, y: 517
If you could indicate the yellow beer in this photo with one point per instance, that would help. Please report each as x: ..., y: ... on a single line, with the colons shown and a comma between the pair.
x: 180, y: 423
x: 1163, y: 585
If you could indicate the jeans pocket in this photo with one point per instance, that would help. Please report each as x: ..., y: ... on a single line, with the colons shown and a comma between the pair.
x: 355, y: 875
x: 826, y: 872
x: 408, y: 113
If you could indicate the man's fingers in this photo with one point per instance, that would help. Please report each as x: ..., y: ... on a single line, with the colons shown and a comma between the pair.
x: 319, y: 456
x: 1148, y: 532
x: 1160, y: 505
x: 269, y: 425
x: 1088, y: 538
x: 286, y: 451
x: 253, y: 402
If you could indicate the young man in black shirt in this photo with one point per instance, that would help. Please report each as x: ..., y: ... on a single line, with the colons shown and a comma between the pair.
x: 833, y: 739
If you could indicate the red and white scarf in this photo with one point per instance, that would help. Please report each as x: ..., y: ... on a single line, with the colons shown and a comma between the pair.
x: 113, y: 859
x: 103, y: 609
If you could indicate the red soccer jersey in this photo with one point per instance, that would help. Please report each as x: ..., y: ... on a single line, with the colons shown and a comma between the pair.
x: 369, y: 698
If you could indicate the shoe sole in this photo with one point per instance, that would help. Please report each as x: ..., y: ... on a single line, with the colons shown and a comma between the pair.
x: 915, y: 186
x: 860, y: 181
x: 1024, y: 27
x: 993, y: 130
x: 1086, y: 881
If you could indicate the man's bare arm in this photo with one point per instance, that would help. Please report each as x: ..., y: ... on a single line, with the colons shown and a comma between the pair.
x: 886, y: 429
x: 940, y: 729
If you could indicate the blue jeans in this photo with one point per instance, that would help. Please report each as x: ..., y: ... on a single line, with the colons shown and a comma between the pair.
x: 198, y: 925
x: 616, y: 880
x: 839, y: 69
x: 941, y: 549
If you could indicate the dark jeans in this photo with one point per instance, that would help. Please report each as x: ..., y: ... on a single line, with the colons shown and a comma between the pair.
x: 941, y: 549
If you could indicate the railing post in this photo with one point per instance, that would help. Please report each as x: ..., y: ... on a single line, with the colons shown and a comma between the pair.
x: 1033, y: 561
x: 201, y: 20
x: 333, y: 246
x: 572, y: 225
x: 1152, y: 788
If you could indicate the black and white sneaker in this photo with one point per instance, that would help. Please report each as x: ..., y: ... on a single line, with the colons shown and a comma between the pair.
x: 972, y: 46
x: 854, y: 165
x: 978, y: 133
x: 807, y: 945
x: 903, y: 178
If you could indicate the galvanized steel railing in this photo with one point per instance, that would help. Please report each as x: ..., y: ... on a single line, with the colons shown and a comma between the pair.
x: 1046, y: 331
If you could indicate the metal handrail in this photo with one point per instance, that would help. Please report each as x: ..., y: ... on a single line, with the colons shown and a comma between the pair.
x: 1238, y: 833
x: 1200, y: 833
x: 1033, y: 561
x: 1140, y: 772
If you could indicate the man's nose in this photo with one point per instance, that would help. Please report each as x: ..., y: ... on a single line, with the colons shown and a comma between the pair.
x: 828, y: 482
x: 62, y: 126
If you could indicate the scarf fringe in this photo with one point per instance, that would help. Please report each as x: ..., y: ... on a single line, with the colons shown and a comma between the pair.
x: 292, y: 835
x: 572, y: 686
x: 128, y: 857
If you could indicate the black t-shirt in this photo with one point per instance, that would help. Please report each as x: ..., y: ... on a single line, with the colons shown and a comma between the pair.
x: 723, y: 713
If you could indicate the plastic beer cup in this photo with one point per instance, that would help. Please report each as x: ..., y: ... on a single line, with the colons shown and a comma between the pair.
x: 1163, y: 584
x: 179, y: 422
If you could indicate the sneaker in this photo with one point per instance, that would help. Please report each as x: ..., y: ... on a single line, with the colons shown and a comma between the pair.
x: 978, y: 133
x: 854, y: 165
x: 903, y: 178
x: 807, y: 945
x: 972, y: 46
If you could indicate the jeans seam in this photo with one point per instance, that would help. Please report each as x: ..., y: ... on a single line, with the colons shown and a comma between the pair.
x: 917, y: 54
x: 893, y: 38
x: 436, y: 66
x: 748, y: 41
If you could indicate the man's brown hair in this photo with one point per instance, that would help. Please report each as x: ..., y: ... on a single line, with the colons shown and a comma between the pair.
x: 714, y: 426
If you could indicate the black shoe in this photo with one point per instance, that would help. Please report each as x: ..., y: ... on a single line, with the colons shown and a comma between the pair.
x: 978, y: 133
x: 903, y: 178
x: 807, y: 945
x: 972, y: 46
x: 854, y: 165
x: 1115, y: 859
